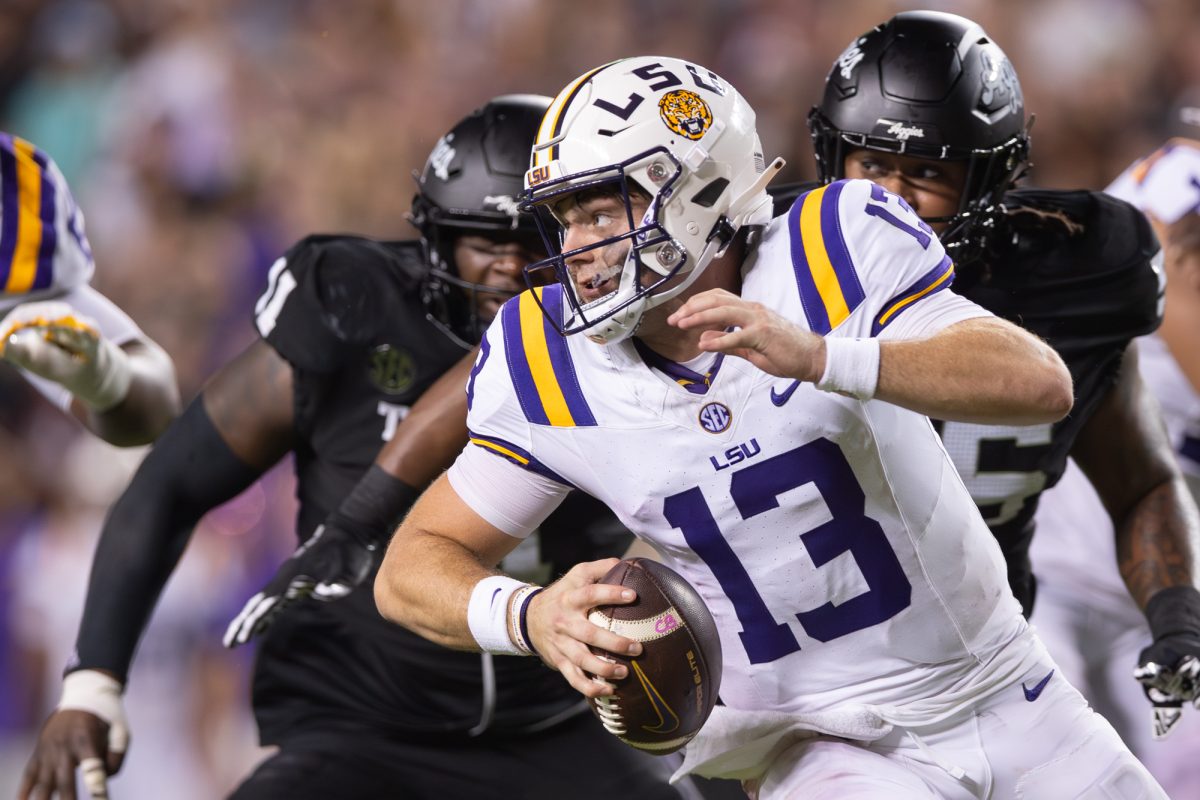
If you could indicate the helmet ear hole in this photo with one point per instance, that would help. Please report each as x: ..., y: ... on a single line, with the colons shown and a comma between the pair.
x: 710, y: 194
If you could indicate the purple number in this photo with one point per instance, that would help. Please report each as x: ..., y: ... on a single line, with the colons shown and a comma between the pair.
x: 764, y: 639
x: 755, y: 490
x: 922, y: 232
x: 485, y: 350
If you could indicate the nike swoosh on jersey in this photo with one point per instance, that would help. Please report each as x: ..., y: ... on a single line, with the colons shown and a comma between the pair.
x: 1036, y: 691
x: 779, y: 398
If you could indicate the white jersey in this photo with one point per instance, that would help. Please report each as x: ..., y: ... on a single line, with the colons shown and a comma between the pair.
x: 1166, y: 184
x: 44, y: 252
x: 43, y: 249
x: 832, y: 539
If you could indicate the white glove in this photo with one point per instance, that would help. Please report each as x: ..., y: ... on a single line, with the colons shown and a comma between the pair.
x: 50, y: 339
x: 98, y: 694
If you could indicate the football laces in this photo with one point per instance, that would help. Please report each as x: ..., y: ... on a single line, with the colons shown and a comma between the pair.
x: 608, y: 708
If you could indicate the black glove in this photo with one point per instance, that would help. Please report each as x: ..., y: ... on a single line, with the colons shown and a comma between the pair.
x: 1169, y: 669
x: 336, y: 558
x: 328, y: 566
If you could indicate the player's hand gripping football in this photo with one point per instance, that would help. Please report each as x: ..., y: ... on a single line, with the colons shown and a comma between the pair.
x: 328, y: 566
x: 51, y: 340
x: 88, y: 730
x: 1169, y: 669
x: 561, y: 633
x: 762, y: 337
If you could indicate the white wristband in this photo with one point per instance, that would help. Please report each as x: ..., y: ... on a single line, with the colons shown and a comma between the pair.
x: 487, y: 614
x: 851, y: 367
x: 99, y: 694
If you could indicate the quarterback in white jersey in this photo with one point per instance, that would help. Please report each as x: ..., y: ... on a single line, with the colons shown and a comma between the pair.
x: 1085, y: 615
x: 71, y: 342
x: 755, y: 411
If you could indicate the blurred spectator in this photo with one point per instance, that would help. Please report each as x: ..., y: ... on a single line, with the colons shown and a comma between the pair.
x: 202, y: 138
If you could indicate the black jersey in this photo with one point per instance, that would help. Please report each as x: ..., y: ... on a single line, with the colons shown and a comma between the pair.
x: 1076, y: 268
x: 346, y: 313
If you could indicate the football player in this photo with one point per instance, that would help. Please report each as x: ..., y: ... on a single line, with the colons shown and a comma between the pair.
x: 927, y: 106
x: 77, y: 348
x: 353, y: 332
x: 750, y: 395
x: 1084, y: 612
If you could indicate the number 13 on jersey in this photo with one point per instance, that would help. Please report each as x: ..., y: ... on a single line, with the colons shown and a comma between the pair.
x: 755, y: 490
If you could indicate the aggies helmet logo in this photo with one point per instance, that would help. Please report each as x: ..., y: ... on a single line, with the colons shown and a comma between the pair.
x: 685, y: 113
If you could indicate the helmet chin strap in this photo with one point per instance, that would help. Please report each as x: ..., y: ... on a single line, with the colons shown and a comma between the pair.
x: 752, y: 207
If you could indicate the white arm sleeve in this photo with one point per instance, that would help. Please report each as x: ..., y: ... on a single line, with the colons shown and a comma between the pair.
x: 513, y: 499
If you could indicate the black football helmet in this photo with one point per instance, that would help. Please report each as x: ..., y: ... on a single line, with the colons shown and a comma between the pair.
x: 472, y: 183
x: 930, y: 85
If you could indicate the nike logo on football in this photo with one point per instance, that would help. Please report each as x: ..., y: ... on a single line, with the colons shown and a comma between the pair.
x: 779, y: 398
x: 668, y: 720
x: 1036, y: 691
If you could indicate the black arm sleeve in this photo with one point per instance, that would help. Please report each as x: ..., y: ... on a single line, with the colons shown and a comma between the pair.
x: 375, y: 506
x: 190, y: 471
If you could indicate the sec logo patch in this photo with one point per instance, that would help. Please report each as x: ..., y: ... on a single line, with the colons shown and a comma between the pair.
x: 715, y: 418
x: 392, y: 369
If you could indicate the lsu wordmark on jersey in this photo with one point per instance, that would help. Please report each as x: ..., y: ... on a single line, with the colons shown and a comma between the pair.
x: 831, y: 537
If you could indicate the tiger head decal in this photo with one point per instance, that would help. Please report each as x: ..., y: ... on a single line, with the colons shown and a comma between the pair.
x: 685, y: 113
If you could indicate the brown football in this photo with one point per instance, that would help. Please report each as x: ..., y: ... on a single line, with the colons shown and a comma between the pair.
x: 672, y: 686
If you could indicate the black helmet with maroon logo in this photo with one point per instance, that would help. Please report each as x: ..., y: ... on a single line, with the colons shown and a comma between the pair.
x: 472, y: 184
x: 935, y: 86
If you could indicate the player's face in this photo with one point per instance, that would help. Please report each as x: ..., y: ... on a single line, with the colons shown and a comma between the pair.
x: 932, y: 188
x: 494, y: 262
x: 590, y: 217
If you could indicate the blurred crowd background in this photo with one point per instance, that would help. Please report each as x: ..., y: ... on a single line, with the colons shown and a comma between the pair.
x: 202, y: 137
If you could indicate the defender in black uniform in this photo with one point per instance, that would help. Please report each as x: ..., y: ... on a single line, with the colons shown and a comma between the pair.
x: 929, y: 107
x: 353, y: 332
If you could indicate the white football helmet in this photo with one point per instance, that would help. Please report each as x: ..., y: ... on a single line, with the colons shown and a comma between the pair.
x: 683, y: 136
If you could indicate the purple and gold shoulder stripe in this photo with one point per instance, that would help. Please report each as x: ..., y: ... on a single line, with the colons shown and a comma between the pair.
x: 516, y: 455
x: 29, y: 228
x: 539, y: 361
x: 937, y: 279
x: 829, y: 286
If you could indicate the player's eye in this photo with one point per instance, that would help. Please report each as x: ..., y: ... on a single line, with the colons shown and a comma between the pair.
x: 872, y: 166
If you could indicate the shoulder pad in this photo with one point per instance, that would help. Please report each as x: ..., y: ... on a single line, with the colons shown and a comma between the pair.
x: 1076, y: 266
x: 331, y: 293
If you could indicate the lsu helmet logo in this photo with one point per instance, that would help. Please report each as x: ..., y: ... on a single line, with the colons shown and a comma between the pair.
x: 685, y: 113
